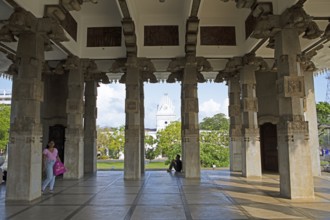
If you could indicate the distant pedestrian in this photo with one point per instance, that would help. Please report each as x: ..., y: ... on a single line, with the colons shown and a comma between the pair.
x: 50, y: 155
x: 176, y: 164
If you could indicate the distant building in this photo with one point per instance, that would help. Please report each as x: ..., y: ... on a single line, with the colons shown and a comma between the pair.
x: 165, y: 113
x: 5, y: 97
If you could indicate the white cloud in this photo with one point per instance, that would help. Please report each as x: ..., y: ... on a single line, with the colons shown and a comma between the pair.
x: 211, y: 107
x: 111, y: 105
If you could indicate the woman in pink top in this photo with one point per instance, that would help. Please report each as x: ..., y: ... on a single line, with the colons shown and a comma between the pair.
x: 50, y: 155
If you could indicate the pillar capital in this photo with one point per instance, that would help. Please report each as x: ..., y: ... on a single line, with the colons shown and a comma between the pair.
x: 294, y: 17
x: 92, y: 73
x: 147, y: 70
x: 24, y: 21
x: 72, y: 63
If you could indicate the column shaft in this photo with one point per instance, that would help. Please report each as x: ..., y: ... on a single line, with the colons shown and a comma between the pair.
x: 132, y: 153
x: 235, y: 125
x: 311, y: 117
x: 142, y: 126
x: 25, y: 149
x: 251, y: 155
x: 90, y: 151
x: 74, y: 146
x: 190, y: 126
x: 296, y: 179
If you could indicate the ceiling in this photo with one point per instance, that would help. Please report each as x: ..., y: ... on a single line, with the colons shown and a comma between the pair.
x: 211, y: 13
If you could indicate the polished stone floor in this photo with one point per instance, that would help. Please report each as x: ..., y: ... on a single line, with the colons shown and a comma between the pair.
x: 219, y: 194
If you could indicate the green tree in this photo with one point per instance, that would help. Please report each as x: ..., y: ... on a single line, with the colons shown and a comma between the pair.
x: 169, y: 141
x: 117, y: 142
x: 111, y: 140
x: 151, y: 152
x: 214, y: 148
x: 4, y: 125
x: 323, y: 120
x: 217, y: 122
x: 214, y: 141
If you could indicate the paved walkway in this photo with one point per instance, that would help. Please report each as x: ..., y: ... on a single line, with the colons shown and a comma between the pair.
x: 162, y: 195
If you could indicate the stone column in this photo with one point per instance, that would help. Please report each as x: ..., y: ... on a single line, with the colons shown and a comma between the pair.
x: 311, y: 117
x: 190, y: 126
x: 235, y: 131
x: 308, y: 68
x: 296, y: 179
x: 251, y: 155
x: 90, y: 151
x: 132, y: 153
x: 142, y: 126
x: 25, y: 148
x: 74, y: 146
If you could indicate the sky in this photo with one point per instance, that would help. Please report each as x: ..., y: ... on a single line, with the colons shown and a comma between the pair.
x: 213, y: 99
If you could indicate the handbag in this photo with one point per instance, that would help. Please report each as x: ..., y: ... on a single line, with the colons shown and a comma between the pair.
x: 59, y: 168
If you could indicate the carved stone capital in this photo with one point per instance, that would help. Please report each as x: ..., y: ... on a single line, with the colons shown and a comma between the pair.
x: 258, y: 62
x: 119, y: 66
x: 91, y: 72
x: 203, y: 64
x: 312, y: 31
x: 267, y: 26
x: 147, y: 70
x: 225, y: 76
x: 6, y: 35
x: 71, y: 63
x: 295, y: 17
x: 23, y: 21
x: 306, y: 61
x: 174, y: 77
x: 176, y: 65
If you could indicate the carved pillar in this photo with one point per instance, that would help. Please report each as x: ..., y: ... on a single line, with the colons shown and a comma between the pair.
x: 132, y: 153
x: 251, y: 155
x: 142, y: 126
x: 311, y: 117
x: 74, y: 146
x: 24, y: 162
x: 235, y: 131
x: 90, y: 152
x: 190, y: 126
x: 296, y: 179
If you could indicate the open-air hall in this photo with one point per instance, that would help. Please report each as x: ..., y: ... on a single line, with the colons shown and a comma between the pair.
x: 267, y: 52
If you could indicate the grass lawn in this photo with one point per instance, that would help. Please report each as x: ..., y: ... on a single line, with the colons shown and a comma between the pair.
x: 108, y: 164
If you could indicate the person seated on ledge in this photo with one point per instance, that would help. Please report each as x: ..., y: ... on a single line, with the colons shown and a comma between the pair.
x: 176, y: 164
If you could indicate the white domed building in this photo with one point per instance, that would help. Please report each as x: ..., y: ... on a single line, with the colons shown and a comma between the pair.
x: 165, y: 112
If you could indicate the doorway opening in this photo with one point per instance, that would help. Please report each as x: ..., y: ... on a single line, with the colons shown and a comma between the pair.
x: 57, y: 134
x: 268, y: 144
